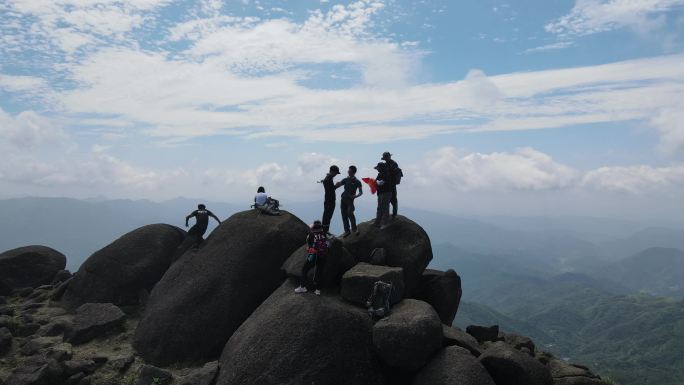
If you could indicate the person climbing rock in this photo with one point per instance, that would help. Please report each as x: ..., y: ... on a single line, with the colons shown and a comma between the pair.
x: 351, y: 185
x: 385, y: 183
x: 396, y: 174
x: 317, y: 251
x: 330, y: 197
x: 201, y: 216
x: 264, y: 203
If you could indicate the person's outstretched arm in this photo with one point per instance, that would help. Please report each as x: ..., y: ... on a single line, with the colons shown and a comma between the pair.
x: 339, y: 184
x: 215, y: 217
x: 192, y: 214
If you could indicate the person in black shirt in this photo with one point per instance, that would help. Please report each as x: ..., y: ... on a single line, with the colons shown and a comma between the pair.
x: 393, y: 169
x: 351, y: 184
x: 385, y: 187
x: 330, y: 197
x: 201, y: 216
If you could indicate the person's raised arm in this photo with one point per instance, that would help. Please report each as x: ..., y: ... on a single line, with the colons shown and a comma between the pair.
x: 192, y: 214
x: 215, y: 217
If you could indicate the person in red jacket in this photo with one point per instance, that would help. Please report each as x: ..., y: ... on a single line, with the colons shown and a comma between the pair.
x: 317, y: 251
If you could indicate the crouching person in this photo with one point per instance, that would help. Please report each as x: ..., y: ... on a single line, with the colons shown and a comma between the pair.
x: 317, y: 242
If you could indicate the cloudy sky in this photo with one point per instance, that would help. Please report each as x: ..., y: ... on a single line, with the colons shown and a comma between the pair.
x: 520, y: 107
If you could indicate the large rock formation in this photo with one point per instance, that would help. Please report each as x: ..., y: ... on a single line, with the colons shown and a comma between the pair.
x: 120, y: 271
x: 453, y: 366
x: 301, y: 339
x: 509, y: 366
x: 406, y: 245
x: 29, y: 266
x: 338, y: 261
x: 442, y: 290
x: 409, y: 336
x: 358, y: 282
x: 207, y: 294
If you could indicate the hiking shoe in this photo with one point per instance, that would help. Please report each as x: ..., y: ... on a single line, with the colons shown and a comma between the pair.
x: 346, y: 234
x: 301, y: 290
x: 357, y: 232
x: 317, y: 292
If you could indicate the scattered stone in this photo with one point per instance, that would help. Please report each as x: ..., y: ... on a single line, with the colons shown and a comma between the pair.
x: 457, y: 337
x: 59, y: 291
x: 316, y: 340
x: 564, y: 373
x: 37, y: 373
x: 55, y: 328
x: 337, y: 262
x: 406, y: 244
x: 6, y: 310
x: 208, y: 293
x: 453, y: 366
x: 45, y: 287
x: 121, y: 364
x: 5, y: 340
x: 29, y: 266
x: 484, y: 333
x: 116, y: 273
x: 26, y: 329
x: 201, y: 376
x: 34, y: 346
x: 152, y: 375
x: 22, y: 292
x: 442, y: 290
x: 61, y: 276
x: 409, y: 336
x: 75, y: 379
x: 61, y: 352
x: 378, y: 257
x: 519, y: 342
x: 357, y: 283
x: 31, y: 306
x: 95, y: 320
x: 79, y: 366
x: 509, y: 366
x: 98, y: 359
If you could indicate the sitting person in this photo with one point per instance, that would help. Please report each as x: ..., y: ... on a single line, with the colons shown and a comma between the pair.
x: 317, y: 240
x: 265, y: 203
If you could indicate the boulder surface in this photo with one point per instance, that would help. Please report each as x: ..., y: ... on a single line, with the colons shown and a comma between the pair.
x: 406, y: 245
x: 316, y: 340
x: 94, y: 320
x: 337, y: 262
x: 442, y: 290
x: 208, y: 293
x: 453, y: 366
x: 409, y: 336
x: 29, y: 266
x: 118, y: 272
x: 358, y: 282
x: 509, y: 366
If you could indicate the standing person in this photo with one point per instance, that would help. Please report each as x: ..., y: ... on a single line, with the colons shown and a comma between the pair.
x: 330, y: 197
x: 201, y: 216
x: 351, y: 184
x: 317, y: 240
x: 396, y: 175
x: 384, y: 181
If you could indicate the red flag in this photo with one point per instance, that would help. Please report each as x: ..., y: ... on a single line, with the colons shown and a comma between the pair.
x: 372, y: 184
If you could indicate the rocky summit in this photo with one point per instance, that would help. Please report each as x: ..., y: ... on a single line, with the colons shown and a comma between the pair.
x: 147, y: 310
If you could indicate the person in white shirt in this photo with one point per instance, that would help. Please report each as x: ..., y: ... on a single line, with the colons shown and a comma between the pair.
x: 265, y: 203
x: 261, y: 198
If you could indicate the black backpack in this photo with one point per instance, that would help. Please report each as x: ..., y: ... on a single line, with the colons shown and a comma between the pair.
x: 398, y: 174
x: 378, y: 303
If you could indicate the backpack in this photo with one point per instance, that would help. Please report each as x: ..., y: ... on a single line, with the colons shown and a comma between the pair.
x: 378, y: 303
x: 398, y: 174
x: 321, y: 243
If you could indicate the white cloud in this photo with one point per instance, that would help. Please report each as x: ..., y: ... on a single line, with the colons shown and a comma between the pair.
x: 594, y: 16
x: 28, y: 130
x: 635, y: 179
x: 550, y: 47
x: 524, y: 169
x: 670, y: 123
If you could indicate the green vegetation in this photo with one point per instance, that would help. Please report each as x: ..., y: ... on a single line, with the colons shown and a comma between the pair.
x: 633, y: 339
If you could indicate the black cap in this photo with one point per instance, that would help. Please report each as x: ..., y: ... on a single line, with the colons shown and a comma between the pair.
x: 317, y: 225
x: 201, y: 206
x: 334, y: 170
x: 386, y: 155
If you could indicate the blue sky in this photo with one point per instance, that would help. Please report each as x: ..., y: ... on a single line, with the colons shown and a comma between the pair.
x: 521, y: 107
